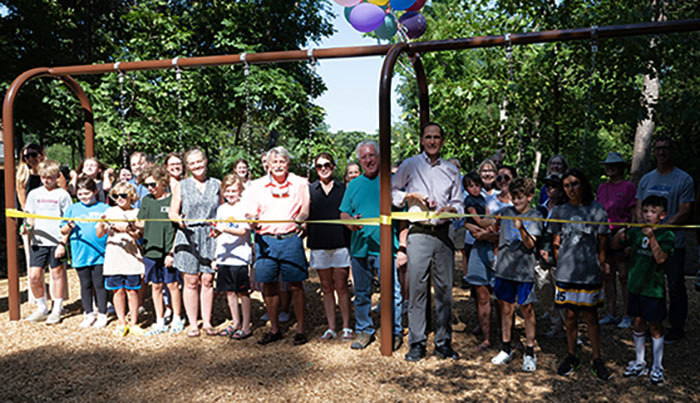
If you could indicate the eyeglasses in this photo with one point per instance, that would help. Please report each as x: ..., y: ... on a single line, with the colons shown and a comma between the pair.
x: 326, y: 165
x: 150, y: 184
x: 30, y: 154
x: 503, y: 178
x: 117, y: 196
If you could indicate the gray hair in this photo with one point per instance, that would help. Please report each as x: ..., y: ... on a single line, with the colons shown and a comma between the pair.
x: 279, y: 150
x: 366, y: 143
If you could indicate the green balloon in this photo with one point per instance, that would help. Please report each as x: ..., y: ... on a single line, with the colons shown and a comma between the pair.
x: 347, y: 11
x: 388, y: 28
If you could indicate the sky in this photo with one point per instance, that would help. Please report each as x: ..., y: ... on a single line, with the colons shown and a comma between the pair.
x: 352, y: 98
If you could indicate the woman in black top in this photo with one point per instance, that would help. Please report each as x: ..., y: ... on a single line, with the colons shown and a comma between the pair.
x: 329, y: 244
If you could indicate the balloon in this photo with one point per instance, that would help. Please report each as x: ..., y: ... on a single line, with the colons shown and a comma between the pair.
x: 414, y: 22
x: 378, y: 2
x: 366, y: 17
x: 388, y: 27
x: 348, y: 3
x: 398, y: 5
x: 416, y: 6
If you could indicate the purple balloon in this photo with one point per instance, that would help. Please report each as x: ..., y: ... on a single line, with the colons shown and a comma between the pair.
x: 366, y: 17
x: 414, y: 22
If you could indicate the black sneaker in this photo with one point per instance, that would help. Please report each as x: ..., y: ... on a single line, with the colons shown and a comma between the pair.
x: 570, y: 364
x: 397, y: 342
x: 270, y: 337
x: 445, y: 351
x: 416, y: 353
x: 299, y: 339
x: 599, y: 370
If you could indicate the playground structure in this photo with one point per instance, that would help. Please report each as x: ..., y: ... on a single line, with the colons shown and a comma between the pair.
x: 391, y: 53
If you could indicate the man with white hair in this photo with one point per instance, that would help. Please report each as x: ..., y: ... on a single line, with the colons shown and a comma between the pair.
x: 279, y: 251
x: 361, y: 200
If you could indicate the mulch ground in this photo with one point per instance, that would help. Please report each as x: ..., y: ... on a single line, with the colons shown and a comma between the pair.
x: 63, y: 362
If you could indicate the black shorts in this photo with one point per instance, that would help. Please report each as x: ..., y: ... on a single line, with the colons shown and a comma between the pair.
x: 39, y: 256
x: 648, y: 308
x: 232, y: 279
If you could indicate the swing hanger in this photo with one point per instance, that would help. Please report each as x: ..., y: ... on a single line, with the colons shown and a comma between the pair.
x: 310, y: 55
x: 594, y: 39
x: 246, y: 65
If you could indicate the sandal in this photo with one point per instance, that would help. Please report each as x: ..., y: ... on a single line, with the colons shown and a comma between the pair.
x: 210, y: 331
x: 485, y: 345
x: 347, y: 334
x: 329, y: 334
x: 241, y: 335
x: 228, y: 332
x: 193, y: 333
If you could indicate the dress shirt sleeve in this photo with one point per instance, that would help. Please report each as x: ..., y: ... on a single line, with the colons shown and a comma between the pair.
x: 398, y: 185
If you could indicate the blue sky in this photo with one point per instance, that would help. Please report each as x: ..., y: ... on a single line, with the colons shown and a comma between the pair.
x: 351, y: 101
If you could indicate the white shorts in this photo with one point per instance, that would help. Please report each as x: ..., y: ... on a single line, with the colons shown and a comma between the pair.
x: 327, y: 258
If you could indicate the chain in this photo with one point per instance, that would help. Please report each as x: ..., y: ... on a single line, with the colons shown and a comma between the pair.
x: 178, y: 79
x: 511, y: 78
x: 122, y: 114
x: 314, y: 65
x: 247, y: 126
x: 591, y: 83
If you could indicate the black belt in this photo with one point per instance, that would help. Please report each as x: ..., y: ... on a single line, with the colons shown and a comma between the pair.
x: 440, y: 231
x: 283, y: 236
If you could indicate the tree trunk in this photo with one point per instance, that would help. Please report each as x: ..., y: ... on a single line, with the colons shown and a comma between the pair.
x: 650, y: 97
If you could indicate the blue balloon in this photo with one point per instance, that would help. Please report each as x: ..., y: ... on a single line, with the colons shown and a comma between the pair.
x: 347, y: 12
x: 401, y: 4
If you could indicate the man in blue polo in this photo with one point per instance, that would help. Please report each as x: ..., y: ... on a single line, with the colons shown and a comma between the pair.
x: 361, y: 200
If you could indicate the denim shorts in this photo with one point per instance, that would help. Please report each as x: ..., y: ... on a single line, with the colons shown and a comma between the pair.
x: 275, y: 257
x: 157, y: 273
x: 119, y: 281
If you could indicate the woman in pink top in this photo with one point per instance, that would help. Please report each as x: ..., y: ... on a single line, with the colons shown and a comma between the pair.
x: 619, y: 198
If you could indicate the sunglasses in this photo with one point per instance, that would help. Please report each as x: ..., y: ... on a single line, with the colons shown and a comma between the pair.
x: 326, y: 165
x: 120, y: 196
x: 503, y: 178
x: 150, y: 184
x: 31, y: 154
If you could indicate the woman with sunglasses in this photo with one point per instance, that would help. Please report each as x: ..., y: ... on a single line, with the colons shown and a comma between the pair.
x: 329, y: 244
x: 197, y: 197
x: 502, y: 200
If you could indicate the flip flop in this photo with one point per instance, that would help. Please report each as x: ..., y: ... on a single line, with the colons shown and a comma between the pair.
x: 193, y: 333
x: 228, y: 332
x: 241, y: 335
x: 210, y: 331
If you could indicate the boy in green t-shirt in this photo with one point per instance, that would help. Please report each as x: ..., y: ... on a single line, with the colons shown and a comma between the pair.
x: 650, y: 249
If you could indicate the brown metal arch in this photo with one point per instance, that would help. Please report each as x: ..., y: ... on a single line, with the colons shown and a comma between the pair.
x: 9, y: 154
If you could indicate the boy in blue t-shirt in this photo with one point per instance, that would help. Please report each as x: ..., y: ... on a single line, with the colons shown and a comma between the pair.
x: 650, y: 249
x: 515, y: 270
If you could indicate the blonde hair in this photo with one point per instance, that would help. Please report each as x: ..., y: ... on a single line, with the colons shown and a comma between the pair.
x: 124, y: 187
x: 23, y: 169
x: 48, y: 168
x: 230, y: 180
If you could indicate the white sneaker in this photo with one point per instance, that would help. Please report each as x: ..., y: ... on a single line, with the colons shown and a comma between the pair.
x: 635, y: 368
x: 657, y: 376
x: 502, y: 358
x: 529, y: 363
x: 283, y: 317
x: 101, y: 321
x: 608, y: 320
x: 88, y: 320
x: 37, y: 316
x: 54, y: 318
x: 625, y: 323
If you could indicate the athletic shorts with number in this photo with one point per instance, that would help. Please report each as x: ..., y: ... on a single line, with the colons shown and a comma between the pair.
x: 579, y: 297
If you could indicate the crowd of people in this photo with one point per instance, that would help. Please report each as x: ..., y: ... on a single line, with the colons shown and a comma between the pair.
x: 189, y: 235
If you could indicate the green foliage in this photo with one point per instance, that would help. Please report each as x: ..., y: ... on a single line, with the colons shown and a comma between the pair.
x: 547, y: 98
